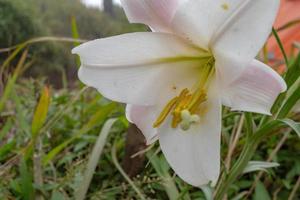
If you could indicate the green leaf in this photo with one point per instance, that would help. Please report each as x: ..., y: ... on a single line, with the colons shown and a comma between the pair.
x: 6, y: 148
x: 293, y: 72
x: 4, y: 130
x: 123, y: 173
x: 27, y: 190
x: 75, y: 33
x: 292, y: 124
x: 261, y: 192
x: 289, y: 104
x: 12, y: 80
x: 162, y: 169
x: 41, y: 112
x: 56, y: 195
x: 94, y: 159
x: 280, y: 46
x: 259, y: 166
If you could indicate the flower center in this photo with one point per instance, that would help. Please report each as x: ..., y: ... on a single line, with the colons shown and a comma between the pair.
x: 186, y: 108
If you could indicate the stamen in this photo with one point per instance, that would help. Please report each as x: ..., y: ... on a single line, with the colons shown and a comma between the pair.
x: 163, y: 115
x: 186, y: 107
x: 183, y: 100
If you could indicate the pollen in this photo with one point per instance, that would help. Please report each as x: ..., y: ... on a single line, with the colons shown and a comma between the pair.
x: 225, y: 6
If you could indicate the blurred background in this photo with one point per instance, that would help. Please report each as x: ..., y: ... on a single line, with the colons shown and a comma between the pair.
x: 87, y: 19
x: 50, y: 123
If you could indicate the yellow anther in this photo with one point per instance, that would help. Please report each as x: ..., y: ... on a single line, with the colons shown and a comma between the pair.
x: 183, y: 100
x: 163, y: 115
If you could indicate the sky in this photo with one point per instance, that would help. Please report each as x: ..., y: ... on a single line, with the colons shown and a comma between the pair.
x: 97, y: 3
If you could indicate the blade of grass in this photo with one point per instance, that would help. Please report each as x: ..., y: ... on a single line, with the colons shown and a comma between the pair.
x: 41, y: 39
x: 11, y: 82
x: 162, y: 169
x: 280, y: 46
x: 289, y: 104
x: 5, y: 129
x: 94, y: 159
x: 39, y: 118
x: 41, y: 112
x: 27, y: 189
x: 75, y: 33
x: 118, y: 166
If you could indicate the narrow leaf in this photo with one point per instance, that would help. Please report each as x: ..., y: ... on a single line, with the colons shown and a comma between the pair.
x: 289, y: 104
x: 259, y: 166
x: 126, y: 177
x: 261, y: 192
x: 293, y: 72
x: 12, y: 80
x: 41, y: 112
x: 293, y: 125
x: 94, y: 159
x: 162, y: 169
x: 27, y: 189
x: 280, y: 46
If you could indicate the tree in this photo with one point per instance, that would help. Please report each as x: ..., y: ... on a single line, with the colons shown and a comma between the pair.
x: 109, y: 7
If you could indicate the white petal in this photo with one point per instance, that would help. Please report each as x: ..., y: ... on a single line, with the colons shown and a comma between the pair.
x: 157, y: 14
x: 241, y: 37
x: 232, y: 29
x: 255, y: 90
x: 143, y: 117
x: 195, y: 154
x: 133, y: 49
x: 199, y: 20
x: 128, y: 68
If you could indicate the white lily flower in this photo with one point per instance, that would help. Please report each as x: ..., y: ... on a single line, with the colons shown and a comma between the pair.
x: 175, y: 80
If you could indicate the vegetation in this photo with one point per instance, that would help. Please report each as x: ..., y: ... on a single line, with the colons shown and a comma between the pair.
x: 52, y: 129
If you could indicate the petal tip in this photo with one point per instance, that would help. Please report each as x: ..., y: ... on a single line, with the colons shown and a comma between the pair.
x: 75, y: 50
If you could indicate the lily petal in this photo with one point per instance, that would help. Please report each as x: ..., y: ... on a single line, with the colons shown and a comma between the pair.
x: 143, y: 117
x: 199, y: 20
x: 242, y: 35
x: 194, y: 155
x: 157, y: 14
x: 232, y: 29
x: 131, y: 68
x: 255, y: 90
